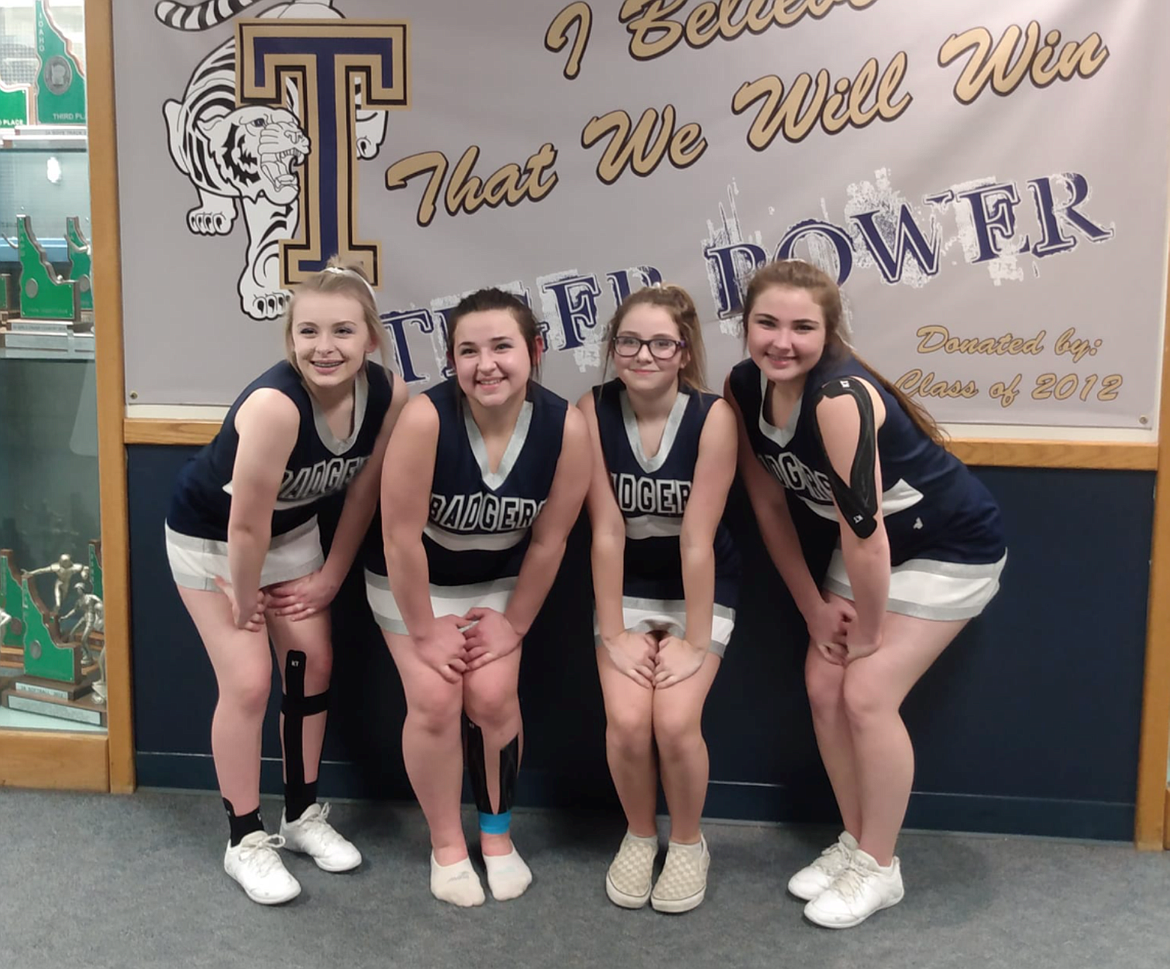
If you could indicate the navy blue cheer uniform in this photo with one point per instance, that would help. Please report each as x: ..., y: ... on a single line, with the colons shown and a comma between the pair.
x: 652, y: 494
x: 946, y: 538
x: 320, y: 465
x: 479, y: 522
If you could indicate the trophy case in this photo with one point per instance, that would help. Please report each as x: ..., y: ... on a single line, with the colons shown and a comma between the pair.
x: 52, y: 609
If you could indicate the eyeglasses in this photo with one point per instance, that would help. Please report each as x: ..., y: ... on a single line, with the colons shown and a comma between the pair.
x: 661, y: 348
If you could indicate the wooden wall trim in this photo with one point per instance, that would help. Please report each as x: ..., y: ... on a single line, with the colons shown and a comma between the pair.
x: 138, y: 430
x: 1150, y: 818
x: 1166, y: 821
x: 111, y: 399
x: 977, y: 452
x: 58, y: 760
x: 1110, y: 455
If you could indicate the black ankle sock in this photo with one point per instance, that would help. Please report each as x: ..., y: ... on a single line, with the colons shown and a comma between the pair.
x: 298, y: 798
x: 243, y: 824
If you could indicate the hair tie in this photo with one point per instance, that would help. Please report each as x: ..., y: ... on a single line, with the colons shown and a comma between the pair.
x: 343, y: 271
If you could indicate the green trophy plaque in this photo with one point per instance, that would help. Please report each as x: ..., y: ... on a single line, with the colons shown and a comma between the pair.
x: 12, y: 627
x: 43, y: 656
x: 54, y: 682
x: 80, y: 264
x: 43, y: 294
x: 60, y: 97
x: 95, y: 567
x: 14, y: 105
x: 4, y: 304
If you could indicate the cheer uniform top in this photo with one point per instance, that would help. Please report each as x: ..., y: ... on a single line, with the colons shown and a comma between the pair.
x: 479, y: 522
x: 945, y: 533
x: 319, y: 465
x: 652, y: 494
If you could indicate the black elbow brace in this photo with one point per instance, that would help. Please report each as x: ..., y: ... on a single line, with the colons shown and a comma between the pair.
x: 857, y: 499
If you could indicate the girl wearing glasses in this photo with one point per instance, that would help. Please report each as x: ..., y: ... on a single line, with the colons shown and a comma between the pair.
x: 919, y: 553
x: 664, y: 577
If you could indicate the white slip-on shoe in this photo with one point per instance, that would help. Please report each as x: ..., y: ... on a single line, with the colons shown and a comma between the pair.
x: 683, y: 882
x: 628, y: 881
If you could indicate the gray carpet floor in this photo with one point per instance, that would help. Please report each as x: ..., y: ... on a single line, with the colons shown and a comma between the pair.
x: 95, y: 881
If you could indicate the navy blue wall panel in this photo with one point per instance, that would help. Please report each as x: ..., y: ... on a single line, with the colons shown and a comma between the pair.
x: 1028, y: 723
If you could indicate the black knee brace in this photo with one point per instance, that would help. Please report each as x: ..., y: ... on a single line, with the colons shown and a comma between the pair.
x: 296, y: 706
x: 473, y: 756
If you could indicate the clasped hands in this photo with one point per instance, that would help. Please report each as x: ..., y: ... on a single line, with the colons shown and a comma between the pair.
x: 833, y: 629
x: 454, y: 645
x: 654, y: 661
x: 296, y: 600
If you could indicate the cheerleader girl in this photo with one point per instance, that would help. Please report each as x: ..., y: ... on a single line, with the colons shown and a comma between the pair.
x: 664, y: 581
x: 244, y: 549
x: 920, y: 552
x: 482, y: 482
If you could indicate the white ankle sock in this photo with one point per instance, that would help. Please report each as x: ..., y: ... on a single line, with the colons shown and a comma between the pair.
x: 457, y: 883
x: 650, y: 840
x: 508, y: 876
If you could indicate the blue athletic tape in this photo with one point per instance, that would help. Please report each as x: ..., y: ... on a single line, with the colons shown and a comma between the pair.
x: 495, y: 823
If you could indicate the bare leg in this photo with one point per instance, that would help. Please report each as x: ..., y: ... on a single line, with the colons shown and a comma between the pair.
x: 874, y: 689
x: 826, y: 682
x: 431, y: 748
x: 243, y: 672
x: 629, y: 745
x: 682, y: 752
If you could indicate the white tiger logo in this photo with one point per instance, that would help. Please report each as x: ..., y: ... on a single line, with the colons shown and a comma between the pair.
x: 249, y: 153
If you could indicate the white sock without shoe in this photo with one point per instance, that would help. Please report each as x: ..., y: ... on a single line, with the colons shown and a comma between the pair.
x: 508, y: 876
x: 457, y: 883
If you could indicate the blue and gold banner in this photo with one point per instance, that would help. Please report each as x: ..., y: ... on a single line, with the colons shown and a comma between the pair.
x: 988, y: 180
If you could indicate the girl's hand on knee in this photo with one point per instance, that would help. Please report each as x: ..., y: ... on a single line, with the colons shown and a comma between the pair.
x: 490, y: 638
x: 441, y: 647
x: 858, y: 647
x: 633, y: 654
x: 830, y: 621
x: 832, y: 653
x: 302, y: 597
x: 253, y: 620
x: 677, y: 659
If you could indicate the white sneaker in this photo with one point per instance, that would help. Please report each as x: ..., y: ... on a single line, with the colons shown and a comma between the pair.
x: 312, y: 834
x: 627, y: 883
x: 256, y: 866
x: 860, y: 890
x: 683, y: 882
x: 813, y: 879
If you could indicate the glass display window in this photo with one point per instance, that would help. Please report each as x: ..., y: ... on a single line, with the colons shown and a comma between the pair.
x: 52, y: 615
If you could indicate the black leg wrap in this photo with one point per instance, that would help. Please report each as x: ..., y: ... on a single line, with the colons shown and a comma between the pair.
x: 296, y: 706
x: 509, y: 770
x: 473, y: 756
x: 242, y: 824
